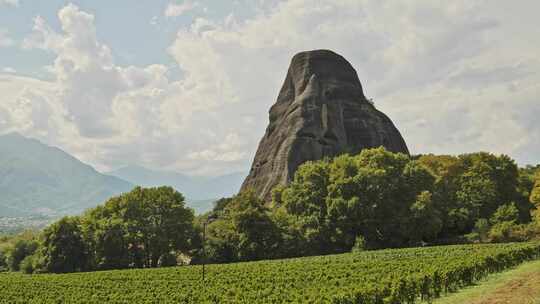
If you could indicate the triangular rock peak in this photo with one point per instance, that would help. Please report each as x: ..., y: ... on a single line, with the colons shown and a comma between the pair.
x: 321, y: 111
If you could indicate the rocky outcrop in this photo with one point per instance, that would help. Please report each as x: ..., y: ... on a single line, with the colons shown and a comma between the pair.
x: 321, y: 111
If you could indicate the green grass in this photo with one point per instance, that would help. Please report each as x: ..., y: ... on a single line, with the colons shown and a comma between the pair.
x: 498, y: 282
x: 385, y: 276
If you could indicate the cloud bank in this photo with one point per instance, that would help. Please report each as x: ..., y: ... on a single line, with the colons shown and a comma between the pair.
x: 444, y: 72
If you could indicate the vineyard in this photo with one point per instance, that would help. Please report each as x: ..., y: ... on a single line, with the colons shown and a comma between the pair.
x: 385, y: 276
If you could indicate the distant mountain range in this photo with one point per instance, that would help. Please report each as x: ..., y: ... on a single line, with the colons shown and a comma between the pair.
x: 36, y: 179
x: 39, y: 179
x: 200, y: 192
x: 193, y: 187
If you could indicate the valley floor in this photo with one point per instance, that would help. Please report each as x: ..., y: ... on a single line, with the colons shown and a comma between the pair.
x: 520, y: 285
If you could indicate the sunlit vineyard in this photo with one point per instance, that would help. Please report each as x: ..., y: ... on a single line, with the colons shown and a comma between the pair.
x: 385, y: 276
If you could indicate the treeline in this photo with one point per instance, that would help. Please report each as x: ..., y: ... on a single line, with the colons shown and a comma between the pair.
x: 142, y: 228
x: 376, y: 199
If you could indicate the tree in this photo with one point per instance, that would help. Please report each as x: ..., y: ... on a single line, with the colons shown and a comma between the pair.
x: 63, y: 248
x: 244, y: 231
x: 425, y: 221
x: 371, y: 195
x: 26, y: 265
x: 18, y: 251
x: 305, y: 198
x: 258, y: 236
x: 447, y: 171
x: 473, y: 186
x: 139, y: 228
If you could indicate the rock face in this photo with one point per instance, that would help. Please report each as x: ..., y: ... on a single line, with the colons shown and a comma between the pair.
x: 321, y: 111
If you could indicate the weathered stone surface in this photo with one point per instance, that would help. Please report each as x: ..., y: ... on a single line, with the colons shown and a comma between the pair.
x: 321, y: 111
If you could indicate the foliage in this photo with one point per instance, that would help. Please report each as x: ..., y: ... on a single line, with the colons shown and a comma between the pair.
x: 382, y: 196
x: 26, y: 264
x: 376, y: 199
x: 359, y: 244
x: 63, y: 248
x: 505, y: 213
x: 535, y: 192
x: 142, y: 228
x: 138, y: 229
x: 243, y: 231
x: 473, y: 186
x: 18, y: 251
x: 386, y: 276
x: 3, y: 262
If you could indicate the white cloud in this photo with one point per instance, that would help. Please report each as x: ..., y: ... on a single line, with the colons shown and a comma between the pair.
x: 442, y: 71
x: 175, y: 10
x: 9, y: 70
x: 5, y: 39
x: 10, y: 2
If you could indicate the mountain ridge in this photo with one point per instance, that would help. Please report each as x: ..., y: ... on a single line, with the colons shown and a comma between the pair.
x: 195, y: 188
x: 36, y: 178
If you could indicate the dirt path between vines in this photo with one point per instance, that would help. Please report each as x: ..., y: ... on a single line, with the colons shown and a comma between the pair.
x: 517, y: 286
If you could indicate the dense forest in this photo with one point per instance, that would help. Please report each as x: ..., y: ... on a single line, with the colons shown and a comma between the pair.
x: 376, y: 199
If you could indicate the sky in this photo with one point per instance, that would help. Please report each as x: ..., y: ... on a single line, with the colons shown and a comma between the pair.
x: 186, y: 85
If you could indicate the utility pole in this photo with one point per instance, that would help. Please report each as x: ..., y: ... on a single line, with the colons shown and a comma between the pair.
x: 204, y: 249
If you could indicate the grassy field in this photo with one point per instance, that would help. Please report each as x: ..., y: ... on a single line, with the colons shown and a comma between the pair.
x: 520, y: 285
x: 385, y: 276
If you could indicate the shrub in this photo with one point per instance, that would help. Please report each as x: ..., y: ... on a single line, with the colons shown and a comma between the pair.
x: 359, y: 244
x: 27, y: 265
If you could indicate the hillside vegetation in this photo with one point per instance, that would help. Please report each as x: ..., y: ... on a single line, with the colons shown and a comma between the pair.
x: 386, y: 276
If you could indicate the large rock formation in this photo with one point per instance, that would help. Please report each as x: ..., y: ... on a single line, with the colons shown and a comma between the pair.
x: 321, y: 111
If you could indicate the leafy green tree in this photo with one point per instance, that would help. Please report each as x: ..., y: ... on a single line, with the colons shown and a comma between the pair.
x: 370, y: 195
x: 447, y: 171
x: 425, y: 221
x: 305, y: 198
x: 244, y: 231
x: 139, y: 228
x: 258, y: 236
x: 473, y: 186
x: 18, y: 251
x: 63, y: 248
x: 26, y: 265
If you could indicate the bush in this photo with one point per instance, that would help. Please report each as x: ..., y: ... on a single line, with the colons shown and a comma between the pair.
x: 359, y: 244
x: 505, y: 213
x: 168, y: 260
x: 502, y: 232
x: 480, y: 232
x: 27, y: 265
x: 18, y: 252
x: 3, y: 263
